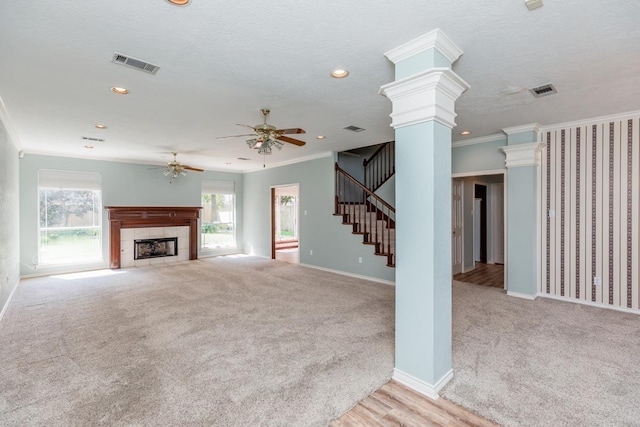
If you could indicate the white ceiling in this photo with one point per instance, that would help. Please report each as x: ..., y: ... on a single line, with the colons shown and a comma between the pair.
x: 220, y: 62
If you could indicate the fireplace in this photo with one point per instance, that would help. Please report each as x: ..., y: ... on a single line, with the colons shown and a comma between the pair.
x: 155, y: 248
x: 145, y: 218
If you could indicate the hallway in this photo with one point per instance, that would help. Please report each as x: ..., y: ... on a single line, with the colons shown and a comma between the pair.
x: 484, y: 274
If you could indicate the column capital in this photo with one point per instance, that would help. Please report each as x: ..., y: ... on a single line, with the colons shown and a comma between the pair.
x: 523, y: 154
x: 435, y: 39
x: 429, y: 95
x: 532, y: 127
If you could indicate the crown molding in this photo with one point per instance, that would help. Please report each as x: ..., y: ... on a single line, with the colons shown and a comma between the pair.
x: 532, y: 127
x: 8, y: 125
x: 479, y: 140
x: 593, y: 120
x: 421, y: 97
x: 436, y: 39
x: 523, y: 154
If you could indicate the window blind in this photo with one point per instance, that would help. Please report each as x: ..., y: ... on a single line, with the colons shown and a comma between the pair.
x: 218, y: 187
x: 69, y: 180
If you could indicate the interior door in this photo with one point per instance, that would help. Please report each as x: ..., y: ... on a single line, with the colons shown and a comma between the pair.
x: 456, y: 223
x: 497, y: 222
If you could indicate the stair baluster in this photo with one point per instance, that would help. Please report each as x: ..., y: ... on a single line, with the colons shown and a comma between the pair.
x: 380, y: 166
x: 367, y: 213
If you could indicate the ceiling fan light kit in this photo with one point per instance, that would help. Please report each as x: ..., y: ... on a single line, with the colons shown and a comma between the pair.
x: 267, y: 136
x: 176, y: 169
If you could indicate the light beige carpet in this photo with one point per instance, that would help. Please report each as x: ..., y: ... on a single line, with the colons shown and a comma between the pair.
x: 543, y: 362
x: 224, y: 342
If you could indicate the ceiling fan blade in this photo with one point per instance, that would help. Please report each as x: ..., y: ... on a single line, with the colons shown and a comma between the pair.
x: 192, y: 168
x: 290, y: 131
x: 247, y: 126
x: 235, y: 136
x: 292, y: 141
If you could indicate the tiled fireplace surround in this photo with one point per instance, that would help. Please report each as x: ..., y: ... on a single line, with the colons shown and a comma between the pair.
x: 128, y: 235
x: 128, y: 223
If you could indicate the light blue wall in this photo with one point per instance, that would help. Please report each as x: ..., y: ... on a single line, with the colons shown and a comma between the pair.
x: 478, y: 157
x: 521, y: 230
x: 423, y: 284
x: 332, y: 243
x: 523, y: 138
x: 123, y: 184
x: 9, y: 217
x: 419, y: 62
x: 388, y: 191
x: 352, y: 165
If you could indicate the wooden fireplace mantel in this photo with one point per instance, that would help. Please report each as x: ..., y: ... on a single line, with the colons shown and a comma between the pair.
x: 151, y: 216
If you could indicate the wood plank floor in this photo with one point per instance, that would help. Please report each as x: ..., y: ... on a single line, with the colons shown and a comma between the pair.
x: 484, y: 274
x: 396, y: 405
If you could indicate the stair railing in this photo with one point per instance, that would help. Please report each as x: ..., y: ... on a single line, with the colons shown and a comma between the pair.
x: 370, y: 215
x: 380, y: 166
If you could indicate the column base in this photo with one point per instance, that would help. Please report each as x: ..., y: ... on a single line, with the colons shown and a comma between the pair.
x: 521, y: 295
x: 422, y: 387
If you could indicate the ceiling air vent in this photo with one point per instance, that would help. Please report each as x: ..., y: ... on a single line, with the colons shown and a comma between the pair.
x: 354, y: 128
x: 88, y: 138
x: 543, y: 90
x: 121, y: 59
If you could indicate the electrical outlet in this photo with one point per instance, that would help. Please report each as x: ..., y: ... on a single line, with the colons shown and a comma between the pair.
x: 597, y: 281
x: 359, y: 260
x: 311, y: 252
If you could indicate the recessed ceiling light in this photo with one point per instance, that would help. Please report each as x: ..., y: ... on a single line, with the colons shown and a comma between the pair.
x: 88, y: 146
x: 178, y: 2
x: 320, y: 137
x: 119, y: 90
x: 339, y: 73
x: 465, y: 132
x: 99, y: 126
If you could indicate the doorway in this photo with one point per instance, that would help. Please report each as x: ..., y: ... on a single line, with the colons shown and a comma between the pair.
x: 480, y: 223
x: 483, y: 229
x: 285, y: 241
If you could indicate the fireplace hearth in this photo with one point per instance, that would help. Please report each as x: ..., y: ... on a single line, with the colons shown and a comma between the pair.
x: 155, y: 248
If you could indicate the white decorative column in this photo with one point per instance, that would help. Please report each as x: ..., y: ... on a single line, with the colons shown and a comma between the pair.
x: 423, y: 98
x: 523, y: 159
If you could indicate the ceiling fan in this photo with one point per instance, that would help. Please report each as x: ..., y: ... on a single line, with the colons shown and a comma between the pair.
x: 266, y: 136
x: 174, y: 168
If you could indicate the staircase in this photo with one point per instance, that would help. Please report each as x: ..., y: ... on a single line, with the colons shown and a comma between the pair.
x: 364, y: 211
x: 380, y: 166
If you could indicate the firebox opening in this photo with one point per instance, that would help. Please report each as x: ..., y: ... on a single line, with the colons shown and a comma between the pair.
x: 155, y: 248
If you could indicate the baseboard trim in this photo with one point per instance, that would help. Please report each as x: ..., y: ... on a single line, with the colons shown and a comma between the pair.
x: 590, y: 303
x: 421, y: 386
x: 344, y: 273
x: 521, y: 295
x: 6, y: 304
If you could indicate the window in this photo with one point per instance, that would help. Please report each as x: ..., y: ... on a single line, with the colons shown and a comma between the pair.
x: 218, y: 215
x: 69, y: 227
x: 286, y: 217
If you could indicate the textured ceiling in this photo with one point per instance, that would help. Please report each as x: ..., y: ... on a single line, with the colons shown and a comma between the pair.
x: 220, y: 62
